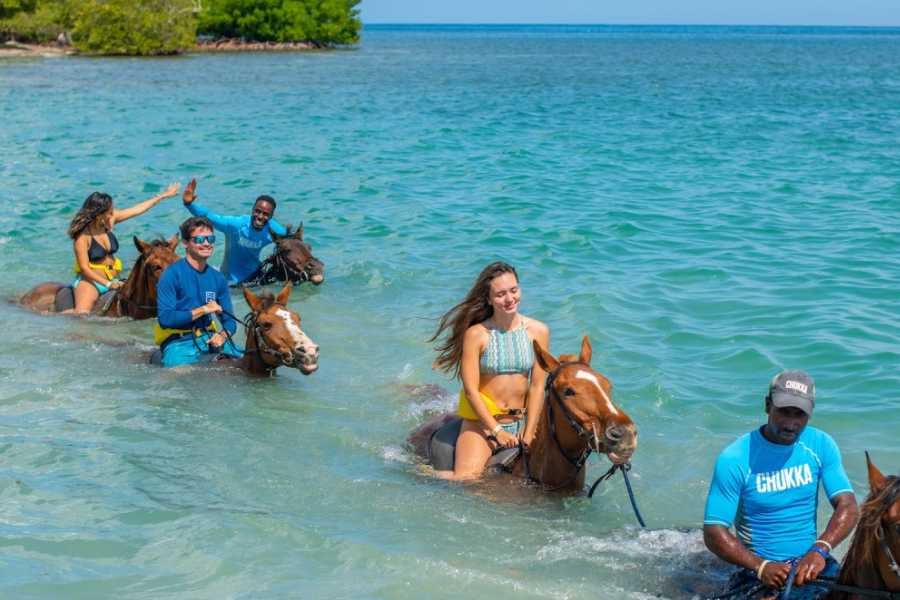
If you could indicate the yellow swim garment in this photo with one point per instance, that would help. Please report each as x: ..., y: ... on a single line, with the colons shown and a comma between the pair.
x: 161, y: 334
x: 111, y: 271
x: 465, y: 410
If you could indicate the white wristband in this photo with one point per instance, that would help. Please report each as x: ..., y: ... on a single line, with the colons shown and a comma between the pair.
x: 759, y: 571
x: 497, y: 428
x: 826, y: 544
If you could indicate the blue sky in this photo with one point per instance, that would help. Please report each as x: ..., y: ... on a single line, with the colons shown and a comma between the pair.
x: 701, y: 12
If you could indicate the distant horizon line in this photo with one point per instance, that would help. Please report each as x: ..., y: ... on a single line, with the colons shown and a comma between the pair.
x: 561, y: 24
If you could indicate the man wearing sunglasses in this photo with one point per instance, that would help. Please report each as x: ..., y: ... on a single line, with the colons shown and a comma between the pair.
x: 245, y: 235
x: 188, y: 294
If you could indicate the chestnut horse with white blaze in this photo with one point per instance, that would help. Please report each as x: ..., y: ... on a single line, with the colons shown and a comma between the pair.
x: 578, y: 418
x: 137, y: 296
x: 275, y: 337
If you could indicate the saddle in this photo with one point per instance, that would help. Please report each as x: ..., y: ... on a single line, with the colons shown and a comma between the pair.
x: 65, y: 300
x: 442, y: 450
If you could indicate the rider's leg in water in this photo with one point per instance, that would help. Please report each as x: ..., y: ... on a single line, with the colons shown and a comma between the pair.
x: 86, y: 295
x: 472, y: 453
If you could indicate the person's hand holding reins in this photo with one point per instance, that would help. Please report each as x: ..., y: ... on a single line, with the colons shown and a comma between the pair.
x: 189, y: 194
x: 809, y: 567
x: 211, y: 307
x: 774, y: 574
x: 115, y: 284
x: 505, y: 439
x: 217, y: 341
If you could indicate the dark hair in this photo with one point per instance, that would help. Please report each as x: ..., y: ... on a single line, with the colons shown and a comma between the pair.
x: 193, y: 223
x: 475, y: 308
x: 269, y: 199
x: 94, y: 206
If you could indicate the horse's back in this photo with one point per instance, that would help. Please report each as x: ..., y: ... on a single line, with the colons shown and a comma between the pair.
x: 41, y: 297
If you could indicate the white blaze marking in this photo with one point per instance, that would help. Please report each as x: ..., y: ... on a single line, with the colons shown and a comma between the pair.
x: 581, y: 374
x: 296, y: 333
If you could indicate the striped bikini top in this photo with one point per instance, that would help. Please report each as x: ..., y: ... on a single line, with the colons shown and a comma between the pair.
x: 508, y: 352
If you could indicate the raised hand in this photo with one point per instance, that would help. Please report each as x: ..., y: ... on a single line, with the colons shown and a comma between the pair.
x: 189, y: 194
x: 171, y: 190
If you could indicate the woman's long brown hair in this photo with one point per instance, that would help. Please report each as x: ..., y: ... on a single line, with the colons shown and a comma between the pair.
x: 475, y: 308
x: 95, y: 206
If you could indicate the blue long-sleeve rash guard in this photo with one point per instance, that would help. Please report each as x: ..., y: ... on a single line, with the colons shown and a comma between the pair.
x: 182, y: 289
x: 242, y: 242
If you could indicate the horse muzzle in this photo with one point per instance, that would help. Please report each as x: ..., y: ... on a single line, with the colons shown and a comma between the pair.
x: 621, y: 440
x: 305, y: 358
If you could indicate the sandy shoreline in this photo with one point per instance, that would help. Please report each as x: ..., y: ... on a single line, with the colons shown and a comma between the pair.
x: 15, y: 49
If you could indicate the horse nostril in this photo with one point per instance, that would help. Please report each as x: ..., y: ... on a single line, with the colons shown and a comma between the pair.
x: 615, y: 432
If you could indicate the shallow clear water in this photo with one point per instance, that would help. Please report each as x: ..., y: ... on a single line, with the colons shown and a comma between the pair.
x: 708, y: 205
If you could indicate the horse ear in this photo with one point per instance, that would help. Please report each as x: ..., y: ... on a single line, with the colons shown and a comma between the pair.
x: 586, y: 350
x: 544, y: 358
x: 142, y: 247
x: 284, y: 294
x: 252, y: 301
x: 298, y: 235
x: 876, y: 478
x: 173, y: 242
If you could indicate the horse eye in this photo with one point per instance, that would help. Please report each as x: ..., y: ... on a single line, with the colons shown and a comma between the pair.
x: 568, y: 392
x: 266, y: 326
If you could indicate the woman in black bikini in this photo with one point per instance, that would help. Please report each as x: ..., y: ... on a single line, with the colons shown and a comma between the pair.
x: 96, y: 265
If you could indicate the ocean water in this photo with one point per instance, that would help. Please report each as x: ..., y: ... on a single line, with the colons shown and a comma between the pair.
x: 708, y: 205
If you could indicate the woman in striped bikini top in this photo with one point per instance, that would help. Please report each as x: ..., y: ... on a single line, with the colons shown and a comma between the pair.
x: 490, y: 347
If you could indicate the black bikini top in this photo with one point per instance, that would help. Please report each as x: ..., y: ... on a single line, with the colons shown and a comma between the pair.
x: 96, y: 252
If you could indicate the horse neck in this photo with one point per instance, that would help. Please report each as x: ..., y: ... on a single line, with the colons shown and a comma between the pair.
x: 136, y: 294
x: 546, y: 463
x: 252, y: 362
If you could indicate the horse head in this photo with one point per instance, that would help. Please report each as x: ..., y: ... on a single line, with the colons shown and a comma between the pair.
x: 297, y: 258
x: 274, y: 332
x: 137, y: 298
x: 880, y: 516
x: 584, y: 398
x: 157, y: 256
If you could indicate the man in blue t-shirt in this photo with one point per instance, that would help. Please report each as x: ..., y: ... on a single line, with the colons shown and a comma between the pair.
x: 245, y: 235
x: 187, y: 295
x: 766, y: 485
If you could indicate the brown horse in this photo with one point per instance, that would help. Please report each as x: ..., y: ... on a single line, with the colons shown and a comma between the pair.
x: 274, y: 336
x: 291, y: 261
x: 137, y: 296
x: 870, y: 568
x: 578, y: 418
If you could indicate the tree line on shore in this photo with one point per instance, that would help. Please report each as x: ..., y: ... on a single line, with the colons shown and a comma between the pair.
x: 154, y: 27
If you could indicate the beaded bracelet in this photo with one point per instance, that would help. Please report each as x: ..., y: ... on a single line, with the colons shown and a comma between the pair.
x: 824, y: 543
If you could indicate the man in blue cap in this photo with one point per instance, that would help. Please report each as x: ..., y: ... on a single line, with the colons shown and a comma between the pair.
x: 766, y: 485
x: 245, y: 235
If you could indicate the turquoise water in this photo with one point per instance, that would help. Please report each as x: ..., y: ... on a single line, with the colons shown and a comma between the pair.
x: 709, y: 205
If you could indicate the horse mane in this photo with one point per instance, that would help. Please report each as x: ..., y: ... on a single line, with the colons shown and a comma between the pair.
x: 861, y: 556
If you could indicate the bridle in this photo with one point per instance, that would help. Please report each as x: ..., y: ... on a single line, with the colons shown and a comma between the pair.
x: 551, y: 397
x: 590, y: 438
x: 251, y: 324
x: 269, y: 270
